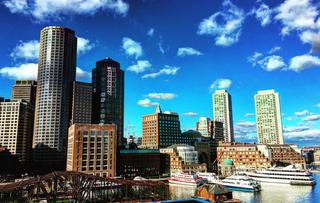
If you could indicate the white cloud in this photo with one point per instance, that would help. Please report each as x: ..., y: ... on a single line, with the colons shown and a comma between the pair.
x: 192, y: 114
x: 290, y: 118
x: 246, y: 124
x: 224, y: 25
x: 131, y: 47
x: 27, y: 71
x: 27, y: 50
x: 296, y: 128
x: 146, y: 103
x: 82, y: 74
x: 45, y: 10
x: 274, y: 49
x: 263, y: 14
x: 302, y: 113
x: 271, y: 63
x: 150, y: 32
x: 296, y: 15
x: 140, y: 67
x: 302, y: 133
x: 312, y: 118
x: 84, y: 45
x: 187, y: 51
x: 249, y: 114
x: 221, y: 84
x: 255, y: 58
x: 318, y: 105
x: 164, y: 96
x: 168, y: 70
x: 160, y: 45
x: 312, y: 38
x: 299, y: 63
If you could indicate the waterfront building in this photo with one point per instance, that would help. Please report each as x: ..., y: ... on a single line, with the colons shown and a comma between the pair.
x: 268, y: 117
x: 227, y: 168
x: 283, y: 155
x: 16, y: 127
x: 26, y: 90
x: 92, y: 149
x: 204, y: 126
x: 316, y: 158
x: 222, y: 110
x: 308, y: 153
x: 244, y: 156
x: 183, y: 158
x: 56, y: 72
x: 161, y: 129
x: 141, y: 162
x: 214, y: 193
x: 81, y: 102
x: 108, y: 95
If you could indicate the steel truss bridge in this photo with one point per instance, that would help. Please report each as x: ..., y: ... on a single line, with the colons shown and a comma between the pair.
x: 80, y: 187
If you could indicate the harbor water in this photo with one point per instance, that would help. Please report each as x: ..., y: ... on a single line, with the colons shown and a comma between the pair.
x: 270, y: 193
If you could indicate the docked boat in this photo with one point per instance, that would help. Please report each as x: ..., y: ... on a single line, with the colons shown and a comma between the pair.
x: 209, y: 177
x: 186, y: 179
x: 285, y: 175
x: 240, y: 183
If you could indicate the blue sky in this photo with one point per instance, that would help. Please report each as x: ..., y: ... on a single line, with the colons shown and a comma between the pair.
x: 177, y: 53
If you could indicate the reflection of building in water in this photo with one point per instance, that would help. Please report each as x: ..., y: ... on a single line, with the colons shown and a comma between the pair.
x: 181, y: 191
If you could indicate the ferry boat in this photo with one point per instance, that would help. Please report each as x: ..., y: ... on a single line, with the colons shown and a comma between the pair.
x: 209, y: 177
x: 186, y: 179
x: 285, y: 175
x: 240, y: 183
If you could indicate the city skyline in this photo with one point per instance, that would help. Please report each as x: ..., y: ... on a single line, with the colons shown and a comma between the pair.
x: 180, y: 71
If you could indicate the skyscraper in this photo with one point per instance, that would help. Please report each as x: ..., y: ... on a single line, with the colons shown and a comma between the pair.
x: 161, y: 129
x: 268, y: 117
x: 108, y: 95
x: 81, y: 102
x: 222, y: 110
x: 56, y: 72
x: 204, y: 126
x: 16, y: 127
x: 26, y: 90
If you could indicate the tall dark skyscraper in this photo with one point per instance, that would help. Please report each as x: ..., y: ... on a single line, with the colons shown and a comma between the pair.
x: 26, y: 90
x: 56, y: 72
x: 81, y: 103
x: 108, y: 94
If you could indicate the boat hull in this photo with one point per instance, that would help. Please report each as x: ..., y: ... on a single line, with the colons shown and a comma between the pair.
x: 184, y: 183
x: 281, y: 181
x: 237, y: 187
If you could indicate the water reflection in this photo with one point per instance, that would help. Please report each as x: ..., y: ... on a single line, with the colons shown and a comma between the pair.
x: 271, y: 193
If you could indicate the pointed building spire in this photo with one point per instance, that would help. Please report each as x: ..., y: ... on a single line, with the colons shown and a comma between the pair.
x: 158, y: 110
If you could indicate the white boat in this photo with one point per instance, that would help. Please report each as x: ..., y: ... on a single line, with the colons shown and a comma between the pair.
x: 285, y: 175
x: 186, y: 179
x: 209, y: 177
x: 239, y: 182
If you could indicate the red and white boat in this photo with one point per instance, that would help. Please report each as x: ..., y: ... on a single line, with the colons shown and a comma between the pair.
x: 186, y: 179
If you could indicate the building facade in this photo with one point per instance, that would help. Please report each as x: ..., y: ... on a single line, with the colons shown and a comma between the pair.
x: 26, y: 90
x: 92, y: 149
x: 81, y: 102
x: 141, y: 162
x: 244, y: 156
x: 283, y: 155
x: 268, y: 117
x: 108, y: 94
x: 16, y: 127
x: 56, y: 72
x: 217, y: 131
x: 222, y: 110
x: 183, y: 158
x: 161, y: 129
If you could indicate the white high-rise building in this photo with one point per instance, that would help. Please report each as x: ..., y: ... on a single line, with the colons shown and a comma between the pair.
x: 222, y: 110
x: 203, y: 126
x: 268, y: 117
